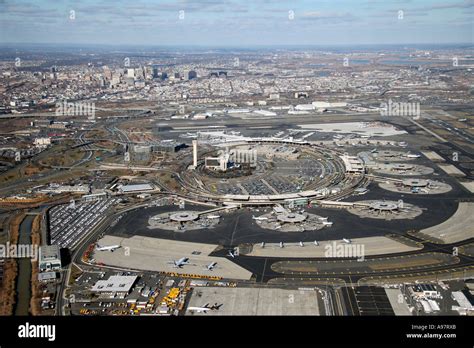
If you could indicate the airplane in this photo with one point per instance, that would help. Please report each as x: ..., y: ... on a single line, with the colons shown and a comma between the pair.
x: 110, y: 248
x: 277, y: 227
x: 301, y: 244
x: 327, y: 223
x: 412, y: 155
x: 262, y: 245
x: 374, y: 151
x: 205, y: 308
x: 281, y: 245
x: 316, y: 243
x: 259, y: 218
x: 180, y: 263
x: 213, y: 216
x: 231, y: 254
x: 322, y: 218
x: 348, y: 241
x: 211, y: 266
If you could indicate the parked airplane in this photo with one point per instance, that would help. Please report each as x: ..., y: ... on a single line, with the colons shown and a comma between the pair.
x: 281, y: 245
x: 316, y: 243
x: 262, y: 245
x: 259, y: 218
x: 348, y: 241
x: 211, y: 266
x: 301, y: 244
x: 374, y: 151
x: 180, y: 263
x: 327, y: 223
x: 205, y: 308
x: 107, y: 247
x: 231, y: 254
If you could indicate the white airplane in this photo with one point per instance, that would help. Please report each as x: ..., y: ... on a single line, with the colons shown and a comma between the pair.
x: 262, y: 245
x: 412, y: 155
x: 281, y: 245
x: 277, y: 227
x: 301, y: 244
x: 322, y: 218
x: 180, y: 263
x: 316, y: 243
x: 211, y: 266
x: 107, y: 247
x: 327, y: 223
x: 374, y: 151
x: 259, y: 218
x: 213, y: 216
x: 231, y: 254
x: 205, y: 308
x: 348, y: 241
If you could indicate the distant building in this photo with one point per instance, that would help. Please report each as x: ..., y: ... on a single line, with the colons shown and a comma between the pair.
x: 191, y: 74
x: 168, y: 146
x: 136, y: 188
x: 49, y: 258
x: 141, y: 153
x: 42, y: 123
x: 155, y: 72
x: 94, y: 197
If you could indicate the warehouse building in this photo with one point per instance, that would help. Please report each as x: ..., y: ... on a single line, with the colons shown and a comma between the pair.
x: 49, y: 258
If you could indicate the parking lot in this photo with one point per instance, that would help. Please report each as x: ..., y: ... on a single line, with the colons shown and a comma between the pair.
x: 67, y: 224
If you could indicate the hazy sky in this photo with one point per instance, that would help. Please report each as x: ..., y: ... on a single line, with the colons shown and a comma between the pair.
x: 237, y: 22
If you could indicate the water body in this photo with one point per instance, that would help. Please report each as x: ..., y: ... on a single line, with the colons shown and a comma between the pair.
x: 23, y: 282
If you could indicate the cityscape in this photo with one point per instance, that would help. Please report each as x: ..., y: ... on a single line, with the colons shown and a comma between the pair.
x: 231, y: 160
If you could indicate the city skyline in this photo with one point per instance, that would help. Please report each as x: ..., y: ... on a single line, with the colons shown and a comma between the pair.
x: 236, y: 23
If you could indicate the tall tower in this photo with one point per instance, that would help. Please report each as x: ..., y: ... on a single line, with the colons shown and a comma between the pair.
x: 195, y: 153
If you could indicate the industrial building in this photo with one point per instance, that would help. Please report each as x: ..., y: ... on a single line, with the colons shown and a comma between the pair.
x: 135, y: 188
x: 115, y: 284
x: 49, y: 258
x: 168, y: 146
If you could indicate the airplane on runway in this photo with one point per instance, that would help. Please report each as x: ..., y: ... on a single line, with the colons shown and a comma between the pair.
x: 110, y: 248
x: 180, y: 263
x: 348, y: 241
x: 205, y: 308
x: 259, y: 218
x: 211, y: 266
